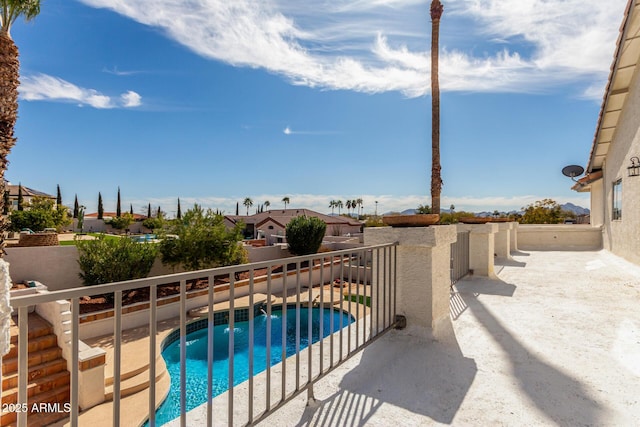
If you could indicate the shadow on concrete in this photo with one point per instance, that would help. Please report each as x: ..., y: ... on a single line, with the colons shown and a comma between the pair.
x: 560, y: 397
x: 426, y: 377
x: 483, y: 286
x: 504, y: 262
x: 519, y: 253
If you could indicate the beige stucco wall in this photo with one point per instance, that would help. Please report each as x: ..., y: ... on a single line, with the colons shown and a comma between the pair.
x: 597, y: 204
x: 622, y: 237
x: 559, y: 237
x: 54, y: 266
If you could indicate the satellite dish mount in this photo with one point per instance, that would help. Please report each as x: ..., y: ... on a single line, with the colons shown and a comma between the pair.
x: 572, y: 171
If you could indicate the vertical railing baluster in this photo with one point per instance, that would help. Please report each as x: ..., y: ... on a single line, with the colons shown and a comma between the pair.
x: 251, y: 346
x: 153, y: 296
x: 349, y: 303
x: 183, y: 353
x: 268, y: 342
x: 75, y: 356
x: 358, y: 296
x: 23, y: 362
x: 331, y: 321
x: 232, y: 326
x: 377, y: 290
x: 210, y: 347
x: 395, y: 281
x: 283, y: 352
x: 341, y: 305
x: 297, y: 325
x: 309, y: 325
x: 321, y: 314
x: 117, y: 355
x: 385, y: 261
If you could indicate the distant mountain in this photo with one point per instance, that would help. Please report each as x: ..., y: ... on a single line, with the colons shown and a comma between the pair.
x: 578, y: 210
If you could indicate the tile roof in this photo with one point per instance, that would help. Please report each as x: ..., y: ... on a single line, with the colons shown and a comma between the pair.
x: 283, y: 216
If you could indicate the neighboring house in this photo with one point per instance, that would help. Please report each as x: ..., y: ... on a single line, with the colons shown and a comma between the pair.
x: 271, y: 225
x: 27, y: 195
x: 613, y: 172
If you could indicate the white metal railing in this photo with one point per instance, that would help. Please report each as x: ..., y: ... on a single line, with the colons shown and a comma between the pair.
x: 373, y: 284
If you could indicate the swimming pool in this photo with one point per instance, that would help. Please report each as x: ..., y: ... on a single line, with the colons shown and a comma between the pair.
x: 196, y: 349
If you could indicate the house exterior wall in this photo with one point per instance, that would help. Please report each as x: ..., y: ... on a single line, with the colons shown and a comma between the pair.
x: 622, y: 237
x: 597, y: 203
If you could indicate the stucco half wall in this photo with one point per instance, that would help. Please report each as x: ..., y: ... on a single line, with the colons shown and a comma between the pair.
x: 559, y: 237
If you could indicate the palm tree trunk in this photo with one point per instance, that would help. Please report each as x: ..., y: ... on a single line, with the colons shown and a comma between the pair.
x: 436, y: 178
x: 9, y: 82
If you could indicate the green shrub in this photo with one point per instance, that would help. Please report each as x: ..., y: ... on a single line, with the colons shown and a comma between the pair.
x: 304, y: 235
x: 203, y: 241
x: 153, y: 223
x: 121, y: 222
x: 39, y: 214
x: 113, y: 260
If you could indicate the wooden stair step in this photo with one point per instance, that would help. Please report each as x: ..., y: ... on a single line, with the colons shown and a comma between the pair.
x: 35, y: 344
x: 38, y: 386
x: 10, y: 365
x: 45, y: 417
x: 37, y: 371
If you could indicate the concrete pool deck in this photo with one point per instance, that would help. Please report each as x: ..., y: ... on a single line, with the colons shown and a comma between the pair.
x: 554, y: 341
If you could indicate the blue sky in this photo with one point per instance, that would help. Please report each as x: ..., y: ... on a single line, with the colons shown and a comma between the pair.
x: 214, y: 101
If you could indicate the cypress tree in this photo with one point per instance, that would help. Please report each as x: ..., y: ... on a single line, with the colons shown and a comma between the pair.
x: 149, y: 211
x: 237, y: 208
x: 179, y: 214
x: 131, y: 208
x: 59, y: 198
x: 118, y: 209
x: 7, y: 202
x: 76, y: 207
x: 100, y: 207
x: 20, y: 198
x: 158, y: 213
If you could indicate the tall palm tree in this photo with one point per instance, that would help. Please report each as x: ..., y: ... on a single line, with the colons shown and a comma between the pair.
x: 349, y: 206
x: 436, y: 178
x: 267, y: 204
x: 286, y: 201
x: 332, y: 205
x: 359, y: 203
x: 247, y: 203
x: 339, y: 205
x: 10, y: 10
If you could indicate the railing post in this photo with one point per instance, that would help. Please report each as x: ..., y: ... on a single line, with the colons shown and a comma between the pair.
x: 503, y: 240
x: 514, y: 237
x: 481, y: 248
x: 422, y: 273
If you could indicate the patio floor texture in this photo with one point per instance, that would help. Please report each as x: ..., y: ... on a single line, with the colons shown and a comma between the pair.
x: 554, y: 341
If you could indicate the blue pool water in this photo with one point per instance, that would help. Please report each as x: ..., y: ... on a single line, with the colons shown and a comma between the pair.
x: 196, y: 347
x: 144, y: 238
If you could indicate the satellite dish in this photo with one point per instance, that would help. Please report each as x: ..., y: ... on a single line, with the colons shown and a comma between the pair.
x: 572, y: 171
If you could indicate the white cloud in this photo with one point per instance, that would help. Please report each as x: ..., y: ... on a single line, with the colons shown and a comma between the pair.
x: 382, y: 45
x: 42, y: 87
x: 287, y: 131
x: 131, y: 99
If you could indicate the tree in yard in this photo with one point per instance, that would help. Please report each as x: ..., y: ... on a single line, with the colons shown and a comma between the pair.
x: 267, y: 204
x: 80, y: 218
x: 247, y: 203
x: 76, y: 207
x: 349, y: 206
x: 426, y: 209
x: 131, y: 209
x: 237, y: 208
x: 332, y: 205
x: 203, y: 241
x: 159, y: 213
x: 40, y: 215
x: 20, y: 198
x: 100, y: 207
x: 121, y: 222
x: 118, y: 207
x: 305, y: 234
x: 286, y: 200
x: 179, y: 213
x: 359, y: 204
x: 339, y: 205
x: 452, y: 208
x: 149, y: 211
x: 545, y: 211
x: 436, y: 178
x: 59, y: 197
x: 10, y: 11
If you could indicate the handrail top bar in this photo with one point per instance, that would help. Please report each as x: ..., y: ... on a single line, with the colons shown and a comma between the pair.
x: 26, y: 300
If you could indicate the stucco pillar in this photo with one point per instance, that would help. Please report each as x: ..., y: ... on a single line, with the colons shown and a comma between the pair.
x: 481, y: 247
x: 502, y: 240
x: 423, y: 273
x: 514, y: 237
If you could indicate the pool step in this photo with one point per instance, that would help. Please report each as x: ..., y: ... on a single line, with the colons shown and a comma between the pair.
x: 136, y: 383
